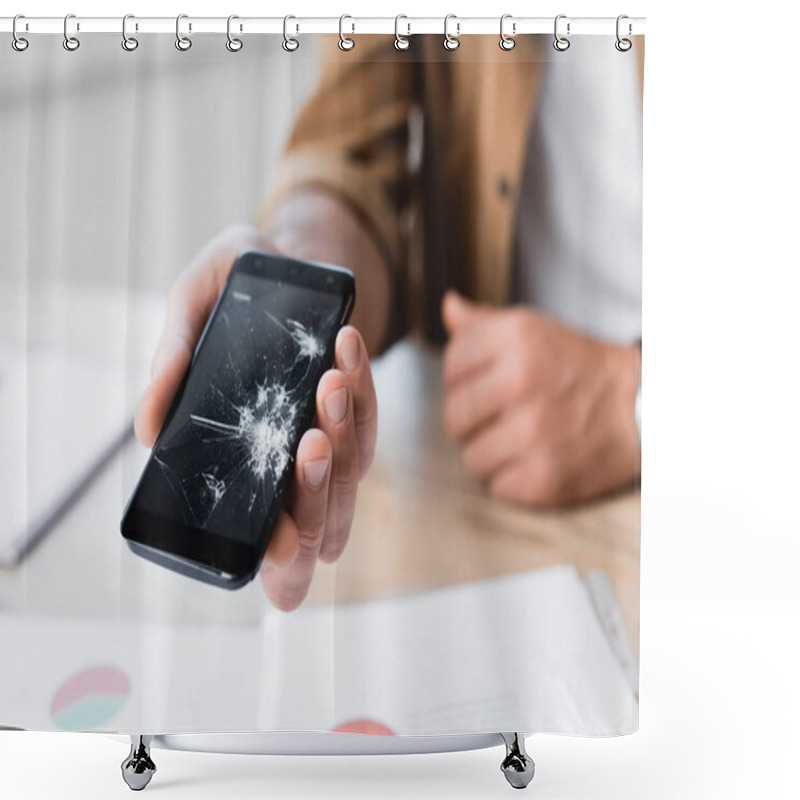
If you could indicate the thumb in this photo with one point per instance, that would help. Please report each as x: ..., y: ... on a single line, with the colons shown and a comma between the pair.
x: 458, y: 312
x: 170, y: 363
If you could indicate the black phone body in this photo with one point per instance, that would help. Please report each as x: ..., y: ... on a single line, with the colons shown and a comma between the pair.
x: 213, y: 486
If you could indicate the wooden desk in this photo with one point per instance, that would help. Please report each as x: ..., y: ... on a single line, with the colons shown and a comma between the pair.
x: 421, y: 522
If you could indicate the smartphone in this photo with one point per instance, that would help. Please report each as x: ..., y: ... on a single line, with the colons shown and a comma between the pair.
x: 210, y: 493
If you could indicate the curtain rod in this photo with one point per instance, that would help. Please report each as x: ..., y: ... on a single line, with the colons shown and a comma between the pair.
x: 457, y: 26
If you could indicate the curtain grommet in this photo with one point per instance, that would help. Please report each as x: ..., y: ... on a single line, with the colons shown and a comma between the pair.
x: 129, y: 43
x: 346, y: 43
x: 451, y: 42
x: 71, y: 43
x: 289, y: 43
x: 507, y: 42
x: 183, y: 43
x: 561, y: 43
x: 401, y: 42
x: 623, y: 44
x: 233, y: 44
x: 19, y: 43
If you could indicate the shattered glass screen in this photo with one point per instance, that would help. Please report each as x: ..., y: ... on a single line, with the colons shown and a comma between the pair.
x: 236, y: 428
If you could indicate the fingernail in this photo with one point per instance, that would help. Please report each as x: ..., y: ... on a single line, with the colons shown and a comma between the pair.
x: 350, y: 353
x: 314, y: 472
x: 336, y: 405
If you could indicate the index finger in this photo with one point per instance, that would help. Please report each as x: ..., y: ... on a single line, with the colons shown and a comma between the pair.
x: 473, y: 348
x: 353, y: 360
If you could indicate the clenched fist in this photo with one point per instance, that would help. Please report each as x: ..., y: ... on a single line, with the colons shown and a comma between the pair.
x: 543, y: 414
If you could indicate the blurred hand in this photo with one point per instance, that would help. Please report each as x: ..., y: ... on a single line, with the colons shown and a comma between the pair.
x: 331, y: 458
x: 542, y: 413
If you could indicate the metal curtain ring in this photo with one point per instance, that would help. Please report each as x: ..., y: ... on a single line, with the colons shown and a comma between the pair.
x: 233, y: 44
x: 182, y: 42
x: 561, y: 43
x: 70, y: 42
x: 289, y: 44
x: 129, y: 43
x: 18, y: 43
x: 451, y: 42
x: 345, y: 42
x: 401, y: 42
x: 623, y: 45
x: 506, y: 42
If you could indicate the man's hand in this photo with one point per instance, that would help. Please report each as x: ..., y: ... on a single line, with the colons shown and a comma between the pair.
x: 544, y: 414
x: 331, y: 458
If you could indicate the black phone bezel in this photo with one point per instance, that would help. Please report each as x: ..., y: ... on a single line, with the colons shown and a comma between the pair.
x: 201, y: 554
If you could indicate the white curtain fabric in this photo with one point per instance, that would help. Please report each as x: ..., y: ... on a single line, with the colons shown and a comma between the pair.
x: 115, y: 169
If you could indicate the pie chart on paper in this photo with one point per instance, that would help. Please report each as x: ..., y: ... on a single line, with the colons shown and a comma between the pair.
x: 370, y: 727
x: 89, y: 699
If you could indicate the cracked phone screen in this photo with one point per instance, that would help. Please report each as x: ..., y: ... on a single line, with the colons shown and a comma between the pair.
x: 248, y: 398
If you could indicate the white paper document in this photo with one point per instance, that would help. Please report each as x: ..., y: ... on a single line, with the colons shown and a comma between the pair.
x: 521, y: 652
x: 510, y: 653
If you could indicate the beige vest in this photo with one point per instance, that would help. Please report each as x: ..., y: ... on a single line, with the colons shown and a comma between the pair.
x: 450, y: 222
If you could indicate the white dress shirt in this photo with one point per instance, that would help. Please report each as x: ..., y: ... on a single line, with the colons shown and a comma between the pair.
x: 578, y: 246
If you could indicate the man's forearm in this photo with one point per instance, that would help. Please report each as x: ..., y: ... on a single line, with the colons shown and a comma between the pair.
x: 315, y: 224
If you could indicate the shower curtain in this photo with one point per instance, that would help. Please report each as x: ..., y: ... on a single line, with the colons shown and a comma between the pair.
x: 473, y: 564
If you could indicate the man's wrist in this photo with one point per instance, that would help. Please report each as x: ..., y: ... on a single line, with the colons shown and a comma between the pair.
x: 637, y: 408
x: 628, y: 368
x: 315, y: 224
